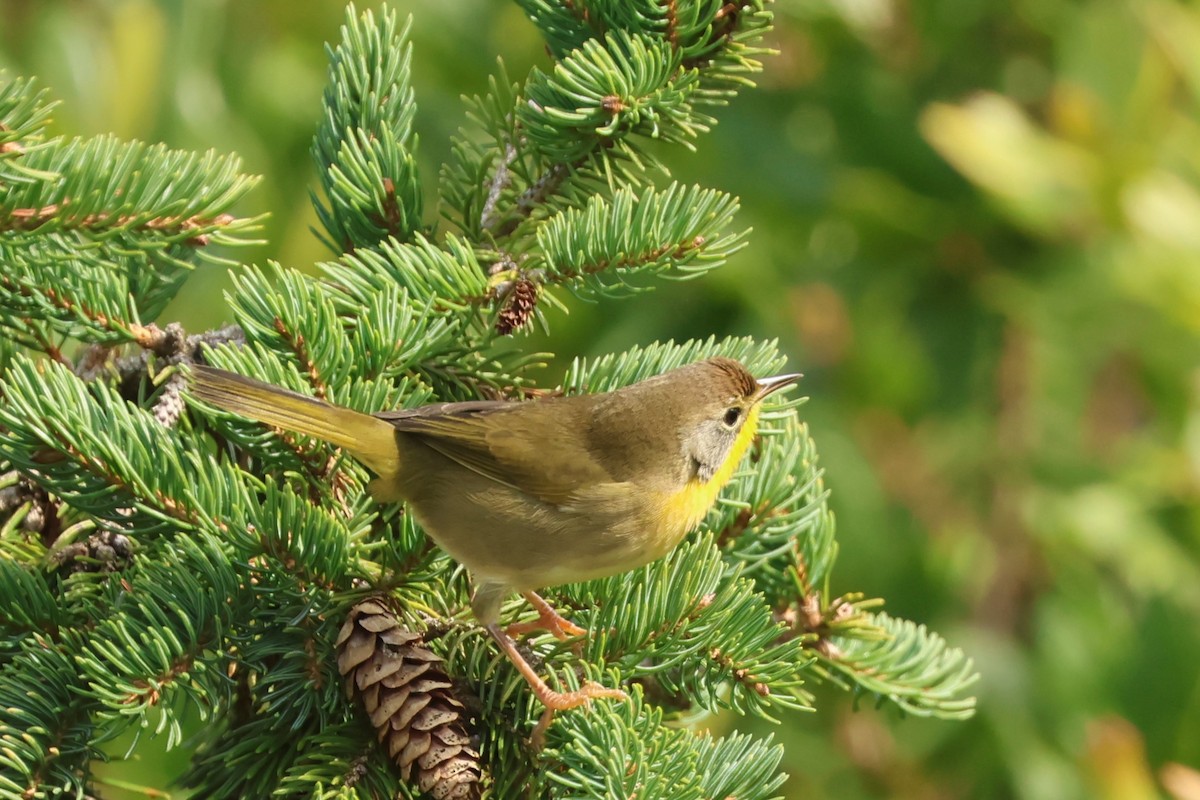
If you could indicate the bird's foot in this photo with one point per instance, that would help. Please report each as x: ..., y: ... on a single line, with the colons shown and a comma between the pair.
x: 562, y: 701
x: 548, y: 620
x: 551, y: 699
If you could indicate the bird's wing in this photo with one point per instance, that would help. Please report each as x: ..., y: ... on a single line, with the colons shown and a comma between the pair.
x: 526, y: 446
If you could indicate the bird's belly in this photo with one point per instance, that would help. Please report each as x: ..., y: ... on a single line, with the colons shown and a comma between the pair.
x: 505, y: 536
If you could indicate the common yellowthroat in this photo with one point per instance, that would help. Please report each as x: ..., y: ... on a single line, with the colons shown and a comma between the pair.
x: 543, y: 492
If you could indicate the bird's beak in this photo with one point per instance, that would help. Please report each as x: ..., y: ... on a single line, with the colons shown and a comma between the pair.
x: 768, y: 386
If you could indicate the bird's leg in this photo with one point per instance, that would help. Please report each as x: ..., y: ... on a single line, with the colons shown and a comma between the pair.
x: 551, y: 699
x: 486, y: 605
x: 548, y: 620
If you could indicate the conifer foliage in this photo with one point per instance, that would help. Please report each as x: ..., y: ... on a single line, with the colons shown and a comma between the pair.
x: 160, y: 559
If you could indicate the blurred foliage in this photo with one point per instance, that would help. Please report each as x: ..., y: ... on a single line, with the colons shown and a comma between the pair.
x: 976, y: 229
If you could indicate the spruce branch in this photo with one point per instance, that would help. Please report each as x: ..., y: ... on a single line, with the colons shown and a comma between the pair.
x: 342, y: 761
x: 286, y: 312
x: 718, y: 38
x: 903, y: 663
x: 615, y: 246
x: 46, y: 736
x: 494, y: 181
x: 101, y: 186
x: 623, y: 749
x: 447, y: 276
x: 392, y: 334
x: 677, y: 232
x: 626, y: 85
x: 97, y: 235
x: 89, y: 447
x: 619, y: 750
x: 740, y: 766
x: 52, y: 288
x: 288, y: 670
x: 704, y: 633
x: 615, y: 370
x: 364, y: 149
x: 27, y: 606
x: 244, y: 758
x: 151, y: 656
x: 499, y: 182
x: 23, y: 113
x: 309, y: 543
x: 333, y: 334
x: 486, y: 161
x: 624, y: 72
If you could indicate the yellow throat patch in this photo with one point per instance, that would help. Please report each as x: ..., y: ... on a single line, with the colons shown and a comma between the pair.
x: 691, y: 504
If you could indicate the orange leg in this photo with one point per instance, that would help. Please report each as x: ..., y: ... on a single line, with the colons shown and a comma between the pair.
x: 548, y: 620
x: 552, y: 700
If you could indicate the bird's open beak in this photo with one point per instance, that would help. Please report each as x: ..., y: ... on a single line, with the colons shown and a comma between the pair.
x: 767, y: 386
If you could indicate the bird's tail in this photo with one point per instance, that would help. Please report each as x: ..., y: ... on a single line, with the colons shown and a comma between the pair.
x: 369, y: 439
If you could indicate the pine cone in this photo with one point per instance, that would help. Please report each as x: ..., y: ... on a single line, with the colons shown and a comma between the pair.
x: 410, y: 701
x: 518, y: 307
x: 170, y: 406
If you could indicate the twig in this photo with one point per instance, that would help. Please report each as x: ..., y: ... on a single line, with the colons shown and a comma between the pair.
x: 500, y: 181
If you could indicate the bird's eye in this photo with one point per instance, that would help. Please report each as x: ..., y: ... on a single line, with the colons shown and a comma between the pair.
x: 732, y: 416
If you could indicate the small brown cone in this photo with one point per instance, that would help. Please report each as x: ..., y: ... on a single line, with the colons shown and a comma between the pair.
x: 410, y: 701
x: 518, y: 307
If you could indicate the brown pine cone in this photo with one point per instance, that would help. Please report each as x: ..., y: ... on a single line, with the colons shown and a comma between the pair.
x: 518, y: 307
x: 410, y: 701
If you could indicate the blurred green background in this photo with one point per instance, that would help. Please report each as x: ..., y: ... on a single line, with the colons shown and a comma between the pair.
x: 976, y: 230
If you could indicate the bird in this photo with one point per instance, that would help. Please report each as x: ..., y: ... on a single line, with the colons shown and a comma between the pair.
x: 537, y: 493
